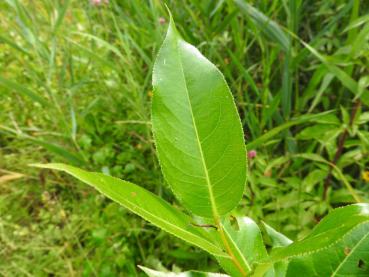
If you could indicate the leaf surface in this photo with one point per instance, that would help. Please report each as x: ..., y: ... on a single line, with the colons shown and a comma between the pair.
x: 349, y: 257
x: 198, y: 134
x: 277, y: 238
x: 248, y: 239
x: 336, y: 246
x: 246, y: 244
x: 330, y: 230
x: 147, y: 205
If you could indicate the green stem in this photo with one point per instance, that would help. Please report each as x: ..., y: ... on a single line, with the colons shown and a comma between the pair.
x: 229, y: 250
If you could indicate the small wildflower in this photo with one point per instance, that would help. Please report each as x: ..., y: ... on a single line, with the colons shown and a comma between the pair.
x: 95, y: 2
x: 251, y: 154
x: 162, y: 20
x: 99, y: 2
x: 226, y: 61
x: 366, y: 176
x: 150, y: 94
x: 62, y: 214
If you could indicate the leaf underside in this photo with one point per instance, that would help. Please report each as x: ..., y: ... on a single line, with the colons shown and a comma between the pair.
x: 197, y: 130
x: 147, y: 205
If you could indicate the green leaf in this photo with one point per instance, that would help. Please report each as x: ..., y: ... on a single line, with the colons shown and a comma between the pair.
x: 336, y: 170
x: 57, y: 150
x: 198, y: 133
x: 349, y: 257
x: 277, y: 238
x: 341, y: 75
x: 147, y: 205
x: 266, y: 25
x: 357, y: 23
x: 248, y: 239
x: 275, y: 131
x: 61, y: 11
x: 154, y: 273
x: 246, y: 243
x: 343, y: 227
x: 316, y: 131
x: 53, y: 148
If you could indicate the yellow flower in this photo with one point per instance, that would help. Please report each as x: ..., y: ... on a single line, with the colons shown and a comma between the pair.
x: 366, y: 176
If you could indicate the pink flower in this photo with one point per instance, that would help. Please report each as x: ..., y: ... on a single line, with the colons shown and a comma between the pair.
x: 99, y: 2
x: 251, y: 154
x: 162, y: 20
x: 95, y: 2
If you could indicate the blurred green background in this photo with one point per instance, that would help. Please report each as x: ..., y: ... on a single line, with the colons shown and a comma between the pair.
x: 75, y: 87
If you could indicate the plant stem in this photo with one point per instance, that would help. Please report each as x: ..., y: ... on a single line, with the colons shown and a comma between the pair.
x: 228, y: 248
x: 341, y: 144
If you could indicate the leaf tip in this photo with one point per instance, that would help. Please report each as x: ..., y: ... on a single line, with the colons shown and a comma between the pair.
x: 36, y: 165
x: 57, y: 166
x: 172, y: 24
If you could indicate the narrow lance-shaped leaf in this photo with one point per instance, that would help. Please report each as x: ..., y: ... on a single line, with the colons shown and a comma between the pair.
x: 341, y: 75
x: 340, y: 238
x: 348, y: 257
x: 266, y: 25
x: 197, y: 130
x: 331, y: 229
x: 147, y: 205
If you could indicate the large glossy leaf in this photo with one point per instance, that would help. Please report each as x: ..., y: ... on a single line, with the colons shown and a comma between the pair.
x: 342, y: 235
x: 198, y: 134
x: 154, y: 273
x: 147, y: 205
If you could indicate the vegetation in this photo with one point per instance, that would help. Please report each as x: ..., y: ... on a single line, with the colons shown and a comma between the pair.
x: 76, y: 87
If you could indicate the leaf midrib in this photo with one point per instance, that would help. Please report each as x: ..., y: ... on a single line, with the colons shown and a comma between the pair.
x: 208, y: 182
x: 143, y: 213
x: 319, y: 249
x: 148, y: 214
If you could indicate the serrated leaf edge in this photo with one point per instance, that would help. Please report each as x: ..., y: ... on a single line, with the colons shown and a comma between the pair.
x: 307, y: 253
x: 172, y: 25
x: 210, y: 245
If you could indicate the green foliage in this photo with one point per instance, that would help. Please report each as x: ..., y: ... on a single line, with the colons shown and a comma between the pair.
x: 146, y: 205
x: 198, y: 134
x: 75, y: 88
x: 188, y: 93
